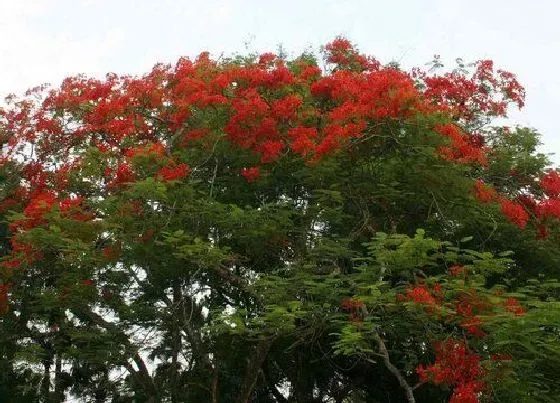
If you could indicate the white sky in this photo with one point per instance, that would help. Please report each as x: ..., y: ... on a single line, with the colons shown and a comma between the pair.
x: 46, y: 40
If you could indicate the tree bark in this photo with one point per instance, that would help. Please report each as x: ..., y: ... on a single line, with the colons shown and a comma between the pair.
x: 394, y: 370
x: 254, y: 366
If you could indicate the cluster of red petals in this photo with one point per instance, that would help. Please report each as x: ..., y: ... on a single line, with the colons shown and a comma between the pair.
x: 550, y: 182
x: 171, y: 173
x: 514, y: 212
x: 456, y: 270
x: 72, y: 208
x: 419, y: 295
x: 251, y: 174
x: 354, y: 307
x: 21, y: 253
x: 4, y: 301
x: 41, y: 204
x: 486, y: 91
x: 469, y: 306
x: 519, y: 211
x: 461, y: 149
x: 153, y: 149
x: 512, y: 305
x: 483, y: 192
x: 269, y: 107
x: 111, y: 252
x: 123, y: 174
x: 456, y: 366
x: 341, y: 52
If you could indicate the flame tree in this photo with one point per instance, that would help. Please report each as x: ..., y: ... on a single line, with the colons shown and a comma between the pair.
x: 258, y: 229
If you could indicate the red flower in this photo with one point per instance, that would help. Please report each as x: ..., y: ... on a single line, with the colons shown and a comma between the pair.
x: 484, y: 193
x: 550, y: 182
x: 124, y: 175
x: 456, y: 270
x: 266, y: 59
x: 286, y: 108
x: 270, y: 150
x: 4, y: 302
x: 354, y: 307
x: 512, y: 305
x: 251, y: 174
x: 457, y: 366
x: 514, y: 212
x: 112, y: 252
x: 472, y: 326
x: 173, y: 173
x: 467, y: 392
x: 549, y: 208
x: 71, y: 208
x: 461, y: 149
x: 420, y: 295
x: 154, y: 149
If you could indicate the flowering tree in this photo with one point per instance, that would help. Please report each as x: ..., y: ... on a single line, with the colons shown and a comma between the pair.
x: 259, y: 229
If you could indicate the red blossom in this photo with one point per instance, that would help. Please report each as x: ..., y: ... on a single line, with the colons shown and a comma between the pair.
x: 456, y: 270
x: 171, y: 173
x: 4, y: 300
x: 461, y: 150
x: 420, y: 295
x: 514, y: 212
x: 123, y: 175
x: 354, y: 307
x: 251, y: 174
x: 484, y: 193
x: 468, y: 392
x: 512, y: 305
x: 472, y: 326
x: 550, y: 182
x: 111, y: 252
x: 549, y: 208
x: 456, y: 366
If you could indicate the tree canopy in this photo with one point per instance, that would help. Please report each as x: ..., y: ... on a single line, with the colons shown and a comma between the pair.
x: 264, y: 229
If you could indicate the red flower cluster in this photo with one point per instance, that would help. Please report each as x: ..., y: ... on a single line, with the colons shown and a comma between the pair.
x: 41, y: 204
x: 171, y: 173
x: 484, y: 92
x: 512, y: 305
x: 461, y: 150
x: 550, y: 182
x: 4, y: 302
x: 123, y: 175
x: 251, y: 174
x: 469, y: 306
x: 154, y: 149
x: 112, y: 252
x: 514, y: 212
x: 419, y: 295
x: 456, y: 270
x: 455, y: 366
x: 484, y: 193
x: 355, y: 309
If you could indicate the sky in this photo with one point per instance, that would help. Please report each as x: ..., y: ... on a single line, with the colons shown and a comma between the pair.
x: 47, y: 40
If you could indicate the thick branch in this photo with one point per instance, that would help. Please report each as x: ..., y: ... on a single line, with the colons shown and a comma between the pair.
x: 254, y: 367
x: 394, y: 370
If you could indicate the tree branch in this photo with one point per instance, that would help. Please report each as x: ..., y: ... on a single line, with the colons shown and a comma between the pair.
x: 254, y: 366
x: 394, y: 370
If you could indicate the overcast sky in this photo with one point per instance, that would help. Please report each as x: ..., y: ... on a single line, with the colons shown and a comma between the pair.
x: 46, y: 40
